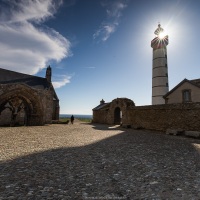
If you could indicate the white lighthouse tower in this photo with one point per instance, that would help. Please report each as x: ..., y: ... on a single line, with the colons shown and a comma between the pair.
x: 160, y: 84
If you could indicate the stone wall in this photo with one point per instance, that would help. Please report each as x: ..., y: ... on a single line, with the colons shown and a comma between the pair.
x: 56, y: 110
x: 46, y: 97
x: 100, y: 116
x: 157, y: 117
x: 162, y: 117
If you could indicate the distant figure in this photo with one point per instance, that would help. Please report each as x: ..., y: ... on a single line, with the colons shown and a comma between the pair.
x: 72, y: 119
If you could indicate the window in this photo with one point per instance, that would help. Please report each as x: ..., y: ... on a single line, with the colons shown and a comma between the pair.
x: 186, y: 96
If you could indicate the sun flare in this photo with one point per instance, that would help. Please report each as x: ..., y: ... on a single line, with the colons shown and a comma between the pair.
x: 161, y: 35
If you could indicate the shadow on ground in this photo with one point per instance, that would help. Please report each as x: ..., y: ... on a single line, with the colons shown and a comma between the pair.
x: 130, y: 165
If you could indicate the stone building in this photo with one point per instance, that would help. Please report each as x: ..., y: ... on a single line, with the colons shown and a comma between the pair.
x: 27, y: 99
x: 114, y: 112
x: 186, y: 91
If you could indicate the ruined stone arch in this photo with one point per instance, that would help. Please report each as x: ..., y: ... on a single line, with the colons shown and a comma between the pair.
x: 21, y: 97
x: 118, y: 109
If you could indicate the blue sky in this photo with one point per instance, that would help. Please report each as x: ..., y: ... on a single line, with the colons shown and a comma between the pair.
x: 98, y: 48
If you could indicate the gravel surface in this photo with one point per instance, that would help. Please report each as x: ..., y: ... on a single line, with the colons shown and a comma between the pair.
x: 90, y: 161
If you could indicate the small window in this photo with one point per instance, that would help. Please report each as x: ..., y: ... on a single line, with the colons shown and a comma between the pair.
x: 167, y: 85
x: 166, y: 65
x: 166, y: 74
x: 186, y: 96
x: 165, y: 55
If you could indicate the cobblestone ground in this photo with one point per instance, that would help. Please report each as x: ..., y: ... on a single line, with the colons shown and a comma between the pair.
x: 85, y: 161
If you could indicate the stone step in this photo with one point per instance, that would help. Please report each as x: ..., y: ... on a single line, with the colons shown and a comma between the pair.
x: 195, y: 134
x: 174, y: 131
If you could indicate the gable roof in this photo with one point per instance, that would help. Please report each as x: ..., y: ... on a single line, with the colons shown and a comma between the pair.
x: 8, y: 76
x: 195, y: 82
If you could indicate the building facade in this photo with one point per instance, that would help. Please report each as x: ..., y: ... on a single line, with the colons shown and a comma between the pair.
x: 26, y: 99
x: 187, y: 91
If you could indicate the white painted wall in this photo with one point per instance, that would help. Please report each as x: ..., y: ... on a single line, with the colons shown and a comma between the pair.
x: 159, y: 76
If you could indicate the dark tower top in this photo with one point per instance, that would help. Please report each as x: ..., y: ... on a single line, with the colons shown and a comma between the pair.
x: 48, y: 74
x: 159, y: 42
x: 158, y: 30
x: 102, y: 102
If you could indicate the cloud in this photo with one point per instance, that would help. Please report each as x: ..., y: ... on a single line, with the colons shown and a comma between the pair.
x: 26, y: 44
x: 109, y: 26
x: 63, y: 80
x: 29, y: 10
x: 115, y: 9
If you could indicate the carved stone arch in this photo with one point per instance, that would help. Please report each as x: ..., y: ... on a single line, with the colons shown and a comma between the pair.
x: 22, y: 97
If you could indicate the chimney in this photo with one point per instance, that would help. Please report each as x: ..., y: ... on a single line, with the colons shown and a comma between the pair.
x: 102, y: 102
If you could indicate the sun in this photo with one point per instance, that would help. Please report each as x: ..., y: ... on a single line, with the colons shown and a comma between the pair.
x: 161, y: 35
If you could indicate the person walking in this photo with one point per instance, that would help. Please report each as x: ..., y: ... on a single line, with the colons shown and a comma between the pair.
x: 72, y: 119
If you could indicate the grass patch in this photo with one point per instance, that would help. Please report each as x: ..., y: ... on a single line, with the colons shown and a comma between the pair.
x: 85, y: 120
x: 64, y: 119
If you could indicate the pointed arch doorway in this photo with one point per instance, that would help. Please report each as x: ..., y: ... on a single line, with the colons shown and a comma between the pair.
x: 20, y: 106
x: 117, y: 116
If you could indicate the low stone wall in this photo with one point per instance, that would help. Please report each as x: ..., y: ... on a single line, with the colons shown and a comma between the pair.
x: 155, y: 117
x: 162, y: 117
x: 100, y: 116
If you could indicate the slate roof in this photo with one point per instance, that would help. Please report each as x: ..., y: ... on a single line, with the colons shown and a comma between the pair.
x: 195, y: 82
x: 101, y: 106
x: 7, y: 76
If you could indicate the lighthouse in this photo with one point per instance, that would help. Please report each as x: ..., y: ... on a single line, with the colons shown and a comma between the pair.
x: 160, y: 84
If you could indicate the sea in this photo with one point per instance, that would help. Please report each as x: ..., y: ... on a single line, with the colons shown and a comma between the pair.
x: 76, y: 116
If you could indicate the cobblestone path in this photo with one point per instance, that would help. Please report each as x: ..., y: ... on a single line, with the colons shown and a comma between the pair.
x: 89, y: 161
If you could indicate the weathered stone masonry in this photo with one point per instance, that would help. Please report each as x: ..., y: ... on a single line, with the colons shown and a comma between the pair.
x: 36, y: 102
x: 27, y: 100
x: 157, y: 117
x: 109, y: 113
x: 161, y: 117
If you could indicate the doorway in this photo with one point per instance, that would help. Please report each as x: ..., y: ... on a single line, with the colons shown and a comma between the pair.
x: 117, y: 116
